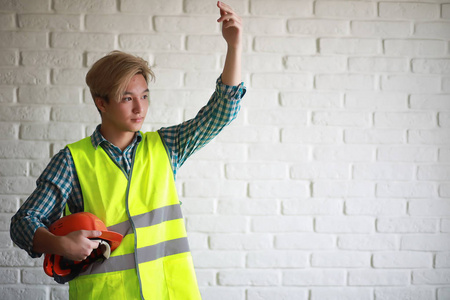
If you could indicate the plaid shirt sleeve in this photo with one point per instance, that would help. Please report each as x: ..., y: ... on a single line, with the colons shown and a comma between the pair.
x: 183, y: 140
x: 56, y: 186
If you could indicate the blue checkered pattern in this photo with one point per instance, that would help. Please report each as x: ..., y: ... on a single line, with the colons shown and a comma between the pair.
x: 58, y: 185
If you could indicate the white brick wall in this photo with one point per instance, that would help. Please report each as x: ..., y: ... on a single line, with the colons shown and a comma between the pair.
x: 334, y: 181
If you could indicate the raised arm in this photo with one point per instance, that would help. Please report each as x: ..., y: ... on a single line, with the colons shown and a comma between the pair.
x: 232, y: 33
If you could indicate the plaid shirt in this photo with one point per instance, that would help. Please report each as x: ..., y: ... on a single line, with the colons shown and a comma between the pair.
x: 59, y: 186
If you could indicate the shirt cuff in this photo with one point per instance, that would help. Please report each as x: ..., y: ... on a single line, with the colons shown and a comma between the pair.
x: 235, y: 92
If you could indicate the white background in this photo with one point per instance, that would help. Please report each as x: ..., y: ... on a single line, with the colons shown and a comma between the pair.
x: 333, y: 182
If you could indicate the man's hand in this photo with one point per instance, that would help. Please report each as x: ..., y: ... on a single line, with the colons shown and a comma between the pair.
x: 231, y: 25
x: 77, y: 245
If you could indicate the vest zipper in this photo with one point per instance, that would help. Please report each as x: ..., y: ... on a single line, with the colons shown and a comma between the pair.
x: 131, y: 220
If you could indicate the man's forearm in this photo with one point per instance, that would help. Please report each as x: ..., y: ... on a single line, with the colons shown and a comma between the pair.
x: 231, y: 74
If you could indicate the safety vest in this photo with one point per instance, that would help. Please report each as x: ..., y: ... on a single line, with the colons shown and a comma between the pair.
x: 153, y: 261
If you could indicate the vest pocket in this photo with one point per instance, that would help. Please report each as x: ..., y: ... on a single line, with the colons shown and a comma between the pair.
x: 180, y: 277
x: 99, y: 286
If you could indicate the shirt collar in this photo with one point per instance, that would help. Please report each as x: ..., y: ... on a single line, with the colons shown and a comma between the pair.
x: 97, y: 138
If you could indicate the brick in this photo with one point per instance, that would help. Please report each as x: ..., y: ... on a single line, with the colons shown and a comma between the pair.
x: 219, y: 259
x: 347, y: 9
x: 36, y: 277
x: 9, y: 131
x: 200, y: 169
x: 117, y: 23
x: 427, y: 137
x: 253, y: 241
x: 442, y: 260
x: 431, y: 277
x: 431, y: 66
x: 385, y: 29
x: 18, y: 39
x: 23, y: 292
x: 17, y: 185
x: 405, y: 189
x: 375, y: 207
x: 291, y: 45
x: 169, y: 79
x: 151, y: 7
x: 432, y: 30
x: 189, y: 61
x: 15, y: 258
x: 339, y: 188
x: 349, y: 46
x: 331, y: 293
x: 378, y: 277
x: 319, y: 170
x: 433, y: 242
x: 316, y: 64
x: 305, y: 241
x: 51, y: 131
x: 368, y: 242
x: 341, y: 118
x: 223, y: 293
x: 264, y: 26
x: 416, y: 47
x: 444, y: 190
x: 49, y: 22
x: 311, y: 135
x: 186, y: 24
x: 444, y: 120
x: 9, y: 58
x: 18, y: 76
x: 288, y: 8
x: 318, y: 27
x: 378, y: 64
x: 445, y: 11
x: 348, y: 153
x: 100, y: 6
x: 374, y: 136
x: 249, y: 278
x: 402, y: 260
x: 24, y: 113
x: 205, y: 43
x: 226, y: 224
x: 261, y: 62
x: 281, y: 224
x: 59, y: 293
x: 281, y: 116
x: 347, y: 224
x: 446, y: 84
x: 340, y: 259
x: 249, y: 134
x: 407, y: 225
x: 277, y: 259
x: 9, y: 276
x: 8, y: 204
x: 276, y: 189
x: 378, y: 101
x: 414, y: 11
x: 48, y: 95
x: 7, y: 95
x: 166, y: 42
x: 278, y: 152
x: 404, y: 293
x: 24, y: 149
x: 69, y: 77
x: 52, y: 58
x: 314, y: 99
x: 312, y: 206
x: 7, y: 21
x: 81, y: 41
x: 444, y: 154
x: 443, y: 293
x: 314, y: 277
x: 256, y: 171
x: 343, y: 81
x: 406, y: 154
x: 211, y: 188
x: 24, y: 5
x: 208, y: 7
x: 13, y: 168
x: 79, y: 113
x: 222, y: 152
x: 267, y: 293
x: 282, y: 80
x: 383, y: 171
x: 433, y: 208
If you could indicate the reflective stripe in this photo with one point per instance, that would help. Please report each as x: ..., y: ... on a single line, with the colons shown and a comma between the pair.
x: 146, y: 254
x: 156, y: 216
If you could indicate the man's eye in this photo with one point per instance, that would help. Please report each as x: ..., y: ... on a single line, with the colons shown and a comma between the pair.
x: 127, y: 99
x: 145, y: 97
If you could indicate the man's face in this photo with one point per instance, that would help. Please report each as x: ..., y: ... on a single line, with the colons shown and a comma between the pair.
x: 129, y: 113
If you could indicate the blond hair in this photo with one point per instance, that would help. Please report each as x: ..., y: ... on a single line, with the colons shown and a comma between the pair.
x: 109, y: 77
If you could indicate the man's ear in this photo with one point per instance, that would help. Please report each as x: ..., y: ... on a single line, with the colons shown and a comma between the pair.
x: 100, y: 103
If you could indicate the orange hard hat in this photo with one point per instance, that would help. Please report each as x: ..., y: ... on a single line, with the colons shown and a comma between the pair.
x: 64, y: 270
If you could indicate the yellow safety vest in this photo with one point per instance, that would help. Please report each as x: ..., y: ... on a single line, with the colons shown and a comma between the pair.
x: 153, y: 261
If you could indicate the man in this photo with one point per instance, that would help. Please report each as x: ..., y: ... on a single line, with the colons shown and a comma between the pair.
x: 126, y: 178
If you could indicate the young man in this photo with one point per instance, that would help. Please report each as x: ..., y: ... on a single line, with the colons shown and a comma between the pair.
x: 126, y: 178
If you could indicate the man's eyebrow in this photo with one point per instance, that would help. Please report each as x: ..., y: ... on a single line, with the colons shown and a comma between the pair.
x: 130, y: 93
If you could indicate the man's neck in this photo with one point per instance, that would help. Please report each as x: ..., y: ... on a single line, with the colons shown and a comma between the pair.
x: 120, y: 140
